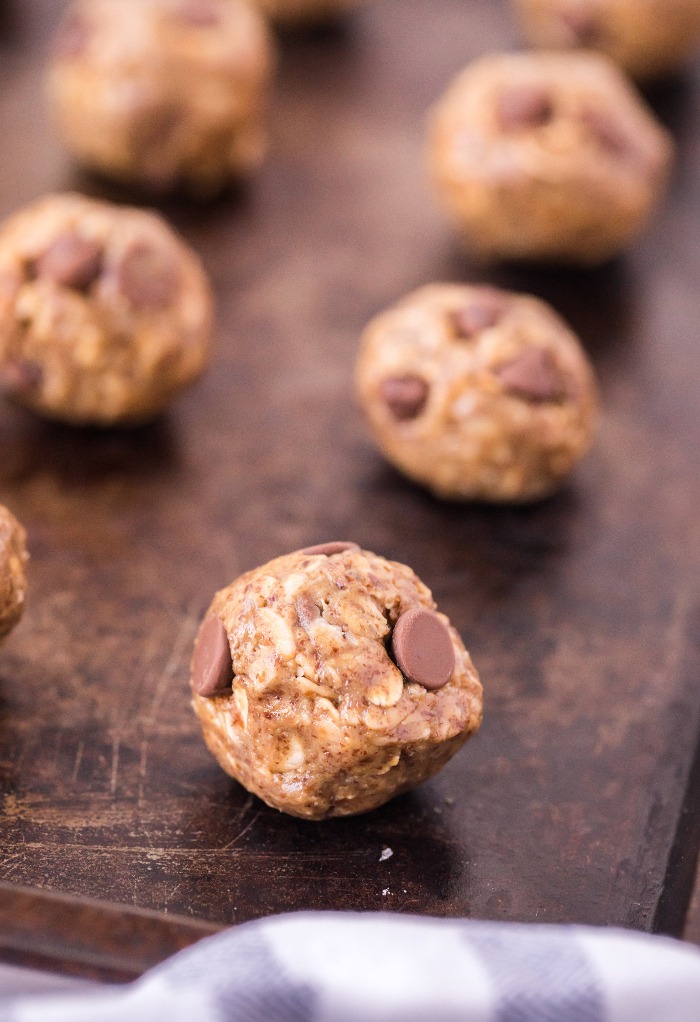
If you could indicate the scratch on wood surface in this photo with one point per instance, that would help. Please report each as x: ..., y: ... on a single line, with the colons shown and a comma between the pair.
x: 184, y: 786
x: 183, y: 638
x: 78, y: 760
x: 7, y: 873
x: 143, y: 768
x: 172, y: 894
x: 10, y: 864
x: 241, y: 833
x: 674, y: 652
x: 116, y: 743
x: 58, y: 850
x: 245, y: 807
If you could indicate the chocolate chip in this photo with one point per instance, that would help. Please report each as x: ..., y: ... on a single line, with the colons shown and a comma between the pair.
x: 405, y: 396
x: 423, y: 648
x: 147, y: 277
x: 212, y: 670
x: 607, y: 132
x: 72, y: 261
x: 198, y: 13
x: 481, y: 312
x: 580, y: 26
x: 328, y: 549
x: 534, y: 376
x: 21, y: 376
x: 524, y: 106
x: 72, y: 37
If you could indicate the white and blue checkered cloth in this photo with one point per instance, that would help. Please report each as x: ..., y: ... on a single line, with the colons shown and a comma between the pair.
x: 332, y: 967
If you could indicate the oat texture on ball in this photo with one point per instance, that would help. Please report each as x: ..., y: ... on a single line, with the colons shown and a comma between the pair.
x: 13, y: 581
x: 327, y: 681
x: 646, y: 38
x: 547, y: 156
x: 305, y: 12
x: 163, y: 94
x: 477, y: 393
x: 105, y: 314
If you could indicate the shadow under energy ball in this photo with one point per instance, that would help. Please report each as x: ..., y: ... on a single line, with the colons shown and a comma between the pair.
x: 327, y: 682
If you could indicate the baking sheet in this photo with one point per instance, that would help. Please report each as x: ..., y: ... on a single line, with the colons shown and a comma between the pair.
x: 581, y: 612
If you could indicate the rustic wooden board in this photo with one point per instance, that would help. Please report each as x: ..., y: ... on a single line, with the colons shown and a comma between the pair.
x: 577, y: 800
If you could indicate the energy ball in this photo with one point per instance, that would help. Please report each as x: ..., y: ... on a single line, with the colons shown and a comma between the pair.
x: 163, y: 94
x: 298, y: 12
x: 105, y: 314
x: 327, y: 682
x: 477, y: 393
x: 645, y: 37
x: 547, y: 156
x: 13, y: 582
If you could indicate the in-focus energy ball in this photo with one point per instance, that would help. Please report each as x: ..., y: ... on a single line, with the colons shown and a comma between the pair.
x: 327, y: 681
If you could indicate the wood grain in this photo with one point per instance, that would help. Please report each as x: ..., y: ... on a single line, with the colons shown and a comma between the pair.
x: 582, y: 612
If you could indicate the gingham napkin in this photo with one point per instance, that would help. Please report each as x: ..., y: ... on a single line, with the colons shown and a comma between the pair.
x: 333, y: 967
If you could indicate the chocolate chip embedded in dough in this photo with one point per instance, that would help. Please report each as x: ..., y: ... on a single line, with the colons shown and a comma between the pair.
x: 72, y: 261
x: 405, y: 396
x: 212, y: 670
x: 72, y: 37
x: 328, y: 549
x: 580, y: 25
x: 423, y: 648
x: 524, y: 106
x: 21, y: 376
x: 481, y: 312
x: 607, y: 132
x: 198, y: 13
x: 534, y: 376
x: 147, y: 277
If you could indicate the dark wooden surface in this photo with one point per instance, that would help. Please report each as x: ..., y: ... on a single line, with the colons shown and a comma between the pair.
x: 578, y: 799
